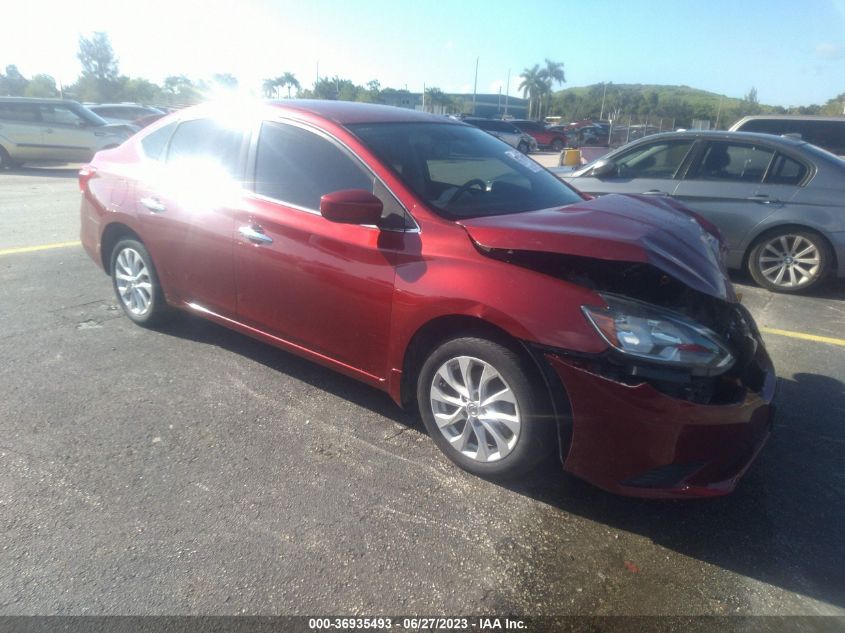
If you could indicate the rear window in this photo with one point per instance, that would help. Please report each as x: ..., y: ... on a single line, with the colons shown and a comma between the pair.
x: 153, y: 144
x: 786, y: 171
x: 829, y: 135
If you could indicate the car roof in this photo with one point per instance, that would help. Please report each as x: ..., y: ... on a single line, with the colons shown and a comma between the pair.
x: 348, y: 112
x: 790, y: 117
x: 36, y: 100
x: 726, y: 136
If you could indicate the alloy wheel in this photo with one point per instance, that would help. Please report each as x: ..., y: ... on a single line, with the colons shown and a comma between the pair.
x: 475, y: 409
x: 134, y: 285
x: 789, y: 261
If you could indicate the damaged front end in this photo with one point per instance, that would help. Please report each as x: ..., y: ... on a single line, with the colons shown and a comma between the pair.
x: 680, y: 402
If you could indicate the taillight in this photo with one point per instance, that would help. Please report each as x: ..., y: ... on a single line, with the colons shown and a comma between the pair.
x: 85, y: 175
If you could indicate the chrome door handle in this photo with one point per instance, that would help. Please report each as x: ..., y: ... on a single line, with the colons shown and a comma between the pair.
x: 762, y: 199
x: 255, y: 234
x: 153, y: 205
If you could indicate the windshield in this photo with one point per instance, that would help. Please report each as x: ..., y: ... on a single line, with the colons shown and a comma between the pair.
x: 463, y: 172
x: 88, y: 115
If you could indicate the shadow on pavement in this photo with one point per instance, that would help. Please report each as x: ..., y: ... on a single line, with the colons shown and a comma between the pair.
x: 783, y: 525
x: 63, y: 171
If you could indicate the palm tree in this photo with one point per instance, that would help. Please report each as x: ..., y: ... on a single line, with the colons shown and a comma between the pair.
x: 270, y: 87
x: 289, y: 80
x: 532, y: 85
x: 552, y: 74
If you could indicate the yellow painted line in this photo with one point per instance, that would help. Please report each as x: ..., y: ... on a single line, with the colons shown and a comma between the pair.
x: 40, y: 247
x: 805, y: 337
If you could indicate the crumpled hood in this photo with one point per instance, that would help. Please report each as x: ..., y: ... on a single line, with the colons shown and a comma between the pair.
x: 648, y: 229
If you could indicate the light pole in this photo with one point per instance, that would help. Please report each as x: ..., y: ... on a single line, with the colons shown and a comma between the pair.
x: 475, y: 86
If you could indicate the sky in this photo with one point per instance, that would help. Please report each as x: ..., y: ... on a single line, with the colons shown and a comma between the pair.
x: 792, y: 52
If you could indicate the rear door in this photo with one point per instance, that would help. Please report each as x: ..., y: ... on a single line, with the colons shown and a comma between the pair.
x: 725, y: 185
x: 66, y: 136
x: 20, y: 130
x: 186, y: 201
x: 649, y: 168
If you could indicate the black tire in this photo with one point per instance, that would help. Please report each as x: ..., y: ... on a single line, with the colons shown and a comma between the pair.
x: 157, y: 311
x: 5, y: 159
x: 558, y: 145
x: 537, y: 433
x: 764, y: 252
x: 523, y: 147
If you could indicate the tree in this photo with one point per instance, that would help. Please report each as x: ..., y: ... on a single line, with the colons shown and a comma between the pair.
x: 139, y: 90
x: 435, y: 98
x: 225, y: 80
x: 552, y: 74
x: 288, y: 80
x: 532, y: 86
x: 99, y: 79
x: 43, y: 86
x: 181, y: 90
x: 13, y: 83
x: 270, y: 88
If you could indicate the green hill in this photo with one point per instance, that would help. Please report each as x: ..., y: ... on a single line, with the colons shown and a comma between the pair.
x: 677, y: 106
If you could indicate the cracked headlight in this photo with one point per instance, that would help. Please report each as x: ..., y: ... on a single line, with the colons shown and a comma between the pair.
x: 658, y: 335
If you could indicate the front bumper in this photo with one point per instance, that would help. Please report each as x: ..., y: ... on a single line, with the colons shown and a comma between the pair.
x: 635, y: 440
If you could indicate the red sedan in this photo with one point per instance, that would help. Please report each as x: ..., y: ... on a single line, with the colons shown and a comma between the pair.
x: 428, y: 259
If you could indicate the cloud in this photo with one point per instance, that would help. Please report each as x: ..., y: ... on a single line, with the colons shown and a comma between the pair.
x: 829, y: 50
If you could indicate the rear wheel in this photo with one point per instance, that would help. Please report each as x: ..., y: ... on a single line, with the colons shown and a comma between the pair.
x: 136, y: 284
x: 557, y: 145
x: 523, y: 147
x: 480, y: 408
x: 790, y: 260
x: 5, y: 159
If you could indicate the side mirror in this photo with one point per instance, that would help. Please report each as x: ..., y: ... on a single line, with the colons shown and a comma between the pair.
x: 351, y: 206
x: 603, y: 168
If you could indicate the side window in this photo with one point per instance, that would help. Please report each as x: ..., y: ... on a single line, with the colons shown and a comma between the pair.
x: 654, y: 160
x: 299, y: 167
x: 209, y: 141
x: 153, y: 144
x: 786, y: 171
x: 22, y: 112
x: 732, y: 162
x: 59, y: 115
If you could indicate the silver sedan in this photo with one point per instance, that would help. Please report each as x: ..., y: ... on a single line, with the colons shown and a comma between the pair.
x: 779, y: 202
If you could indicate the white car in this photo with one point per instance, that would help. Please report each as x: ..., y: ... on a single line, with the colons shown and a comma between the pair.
x: 53, y: 130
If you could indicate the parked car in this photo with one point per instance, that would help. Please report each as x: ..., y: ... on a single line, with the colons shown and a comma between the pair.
x: 545, y: 137
x: 506, y: 131
x: 422, y: 257
x: 124, y: 112
x: 778, y: 202
x: 583, y: 136
x: 826, y: 132
x: 52, y: 130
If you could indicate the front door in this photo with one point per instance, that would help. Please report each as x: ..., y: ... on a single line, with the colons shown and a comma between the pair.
x: 318, y: 285
x: 649, y: 168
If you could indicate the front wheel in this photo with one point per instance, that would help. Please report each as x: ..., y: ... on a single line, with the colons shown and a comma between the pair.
x: 789, y: 260
x: 136, y: 284
x: 523, y: 147
x: 480, y: 408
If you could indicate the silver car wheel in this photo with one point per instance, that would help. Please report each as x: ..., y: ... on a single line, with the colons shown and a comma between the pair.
x: 134, y: 285
x: 789, y: 261
x: 475, y: 409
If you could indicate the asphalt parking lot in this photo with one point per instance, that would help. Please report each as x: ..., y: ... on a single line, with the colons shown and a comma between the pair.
x: 194, y: 470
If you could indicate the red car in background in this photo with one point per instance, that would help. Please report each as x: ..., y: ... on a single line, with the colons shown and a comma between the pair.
x: 428, y: 259
x: 545, y: 137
